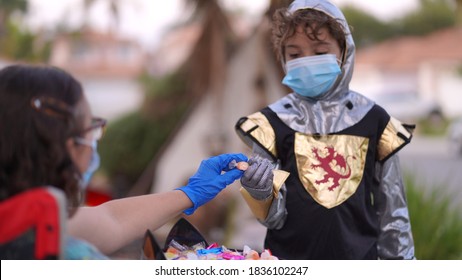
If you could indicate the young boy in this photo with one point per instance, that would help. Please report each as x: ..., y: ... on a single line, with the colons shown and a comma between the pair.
x: 324, y: 177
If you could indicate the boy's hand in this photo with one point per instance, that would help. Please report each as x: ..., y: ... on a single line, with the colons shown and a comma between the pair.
x: 258, y: 178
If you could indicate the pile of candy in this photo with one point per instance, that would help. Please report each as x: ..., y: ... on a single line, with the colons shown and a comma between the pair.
x: 176, y: 251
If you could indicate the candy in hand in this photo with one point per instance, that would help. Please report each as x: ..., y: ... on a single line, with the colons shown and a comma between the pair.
x: 241, y: 165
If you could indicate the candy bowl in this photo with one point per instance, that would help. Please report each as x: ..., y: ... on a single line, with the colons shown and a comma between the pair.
x: 184, y: 242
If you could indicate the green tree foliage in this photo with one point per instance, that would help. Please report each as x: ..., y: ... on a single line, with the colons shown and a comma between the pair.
x: 23, y: 45
x: 366, y: 29
x: 8, y: 8
x: 18, y: 43
x: 432, y: 15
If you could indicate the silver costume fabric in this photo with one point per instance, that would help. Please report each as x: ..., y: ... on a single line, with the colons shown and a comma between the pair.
x: 334, y: 111
x: 395, y: 239
x: 277, y: 213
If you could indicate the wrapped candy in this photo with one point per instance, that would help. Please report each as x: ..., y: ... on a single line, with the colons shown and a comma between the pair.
x: 242, y: 165
x: 232, y: 256
x: 250, y: 254
x: 215, y: 253
x: 266, y: 255
x: 184, y: 242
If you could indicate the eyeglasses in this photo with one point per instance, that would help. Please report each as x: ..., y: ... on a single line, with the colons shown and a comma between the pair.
x: 97, y: 130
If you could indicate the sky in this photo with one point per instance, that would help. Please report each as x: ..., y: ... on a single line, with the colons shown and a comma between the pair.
x: 147, y: 20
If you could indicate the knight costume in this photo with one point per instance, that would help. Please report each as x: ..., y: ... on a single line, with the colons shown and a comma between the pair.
x: 337, y: 190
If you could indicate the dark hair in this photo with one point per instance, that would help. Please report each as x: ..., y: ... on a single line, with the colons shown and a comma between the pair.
x: 37, y: 115
x: 285, y: 25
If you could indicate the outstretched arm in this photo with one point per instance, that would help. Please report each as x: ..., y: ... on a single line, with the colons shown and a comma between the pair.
x: 116, y: 223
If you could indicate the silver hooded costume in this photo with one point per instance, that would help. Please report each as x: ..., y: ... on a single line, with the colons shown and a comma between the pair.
x: 326, y: 127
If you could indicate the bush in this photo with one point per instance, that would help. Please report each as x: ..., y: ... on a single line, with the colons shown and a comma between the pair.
x: 130, y: 144
x: 436, y: 222
x: 435, y: 125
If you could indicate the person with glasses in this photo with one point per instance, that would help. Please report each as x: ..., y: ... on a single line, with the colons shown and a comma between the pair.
x: 48, y: 137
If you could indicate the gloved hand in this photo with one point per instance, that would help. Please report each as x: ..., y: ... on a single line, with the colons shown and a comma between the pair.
x: 258, y: 178
x: 208, y: 180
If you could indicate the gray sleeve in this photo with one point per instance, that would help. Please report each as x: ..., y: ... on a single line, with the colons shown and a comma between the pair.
x: 277, y: 213
x: 395, y: 237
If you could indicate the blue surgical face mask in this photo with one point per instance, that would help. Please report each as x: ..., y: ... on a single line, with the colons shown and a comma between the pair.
x: 312, y: 76
x: 94, y: 162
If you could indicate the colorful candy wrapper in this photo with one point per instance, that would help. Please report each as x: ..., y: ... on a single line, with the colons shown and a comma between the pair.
x: 184, y: 242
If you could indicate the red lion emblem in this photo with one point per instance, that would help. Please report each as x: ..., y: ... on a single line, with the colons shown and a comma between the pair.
x: 327, y: 163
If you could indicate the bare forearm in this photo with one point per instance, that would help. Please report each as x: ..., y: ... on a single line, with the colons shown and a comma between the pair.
x: 115, y: 224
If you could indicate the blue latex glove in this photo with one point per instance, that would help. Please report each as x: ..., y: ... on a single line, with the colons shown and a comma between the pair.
x: 208, y: 180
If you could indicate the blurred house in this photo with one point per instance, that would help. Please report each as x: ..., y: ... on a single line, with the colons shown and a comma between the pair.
x: 91, y: 53
x: 106, y: 65
x: 428, y: 65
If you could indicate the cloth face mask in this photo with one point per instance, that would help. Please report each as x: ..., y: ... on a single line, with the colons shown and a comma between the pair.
x: 312, y: 76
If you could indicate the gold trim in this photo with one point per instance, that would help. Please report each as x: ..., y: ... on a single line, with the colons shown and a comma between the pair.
x: 393, y: 137
x: 279, y: 177
x: 259, y: 208
x: 258, y: 127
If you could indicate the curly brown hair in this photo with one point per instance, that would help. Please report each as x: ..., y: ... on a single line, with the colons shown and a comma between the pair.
x: 37, y: 115
x: 285, y: 25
